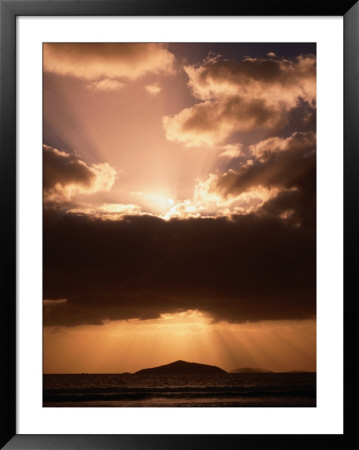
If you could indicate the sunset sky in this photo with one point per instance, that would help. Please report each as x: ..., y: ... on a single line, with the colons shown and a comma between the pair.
x: 179, y: 206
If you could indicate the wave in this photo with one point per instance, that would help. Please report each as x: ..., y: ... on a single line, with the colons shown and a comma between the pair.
x: 111, y: 394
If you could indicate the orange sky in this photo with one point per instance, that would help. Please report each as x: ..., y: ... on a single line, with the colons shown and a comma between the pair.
x: 179, y: 206
x: 128, y: 346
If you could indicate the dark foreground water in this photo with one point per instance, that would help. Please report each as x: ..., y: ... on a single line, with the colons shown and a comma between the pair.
x: 268, y: 389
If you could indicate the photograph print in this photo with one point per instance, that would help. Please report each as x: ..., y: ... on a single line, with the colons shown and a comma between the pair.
x: 179, y: 224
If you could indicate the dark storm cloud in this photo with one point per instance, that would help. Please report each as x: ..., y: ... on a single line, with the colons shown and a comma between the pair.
x: 248, y: 268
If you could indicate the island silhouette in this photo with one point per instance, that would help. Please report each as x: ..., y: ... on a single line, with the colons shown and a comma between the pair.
x: 182, y: 368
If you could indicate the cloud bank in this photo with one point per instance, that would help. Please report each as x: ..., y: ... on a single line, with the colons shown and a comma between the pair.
x: 249, y: 268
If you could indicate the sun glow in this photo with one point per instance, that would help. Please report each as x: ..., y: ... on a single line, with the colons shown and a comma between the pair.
x: 205, y: 203
x: 128, y: 346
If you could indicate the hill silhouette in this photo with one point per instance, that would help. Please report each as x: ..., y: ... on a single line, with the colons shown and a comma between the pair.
x: 182, y: 368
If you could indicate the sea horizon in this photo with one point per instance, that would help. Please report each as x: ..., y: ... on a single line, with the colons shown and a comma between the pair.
x: 261, y: 389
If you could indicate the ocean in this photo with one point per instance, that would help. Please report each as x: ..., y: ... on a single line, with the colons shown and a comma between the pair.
x: 224, y: 390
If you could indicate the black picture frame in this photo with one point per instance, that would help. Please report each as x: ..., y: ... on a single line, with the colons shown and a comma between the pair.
x: 9, y: 10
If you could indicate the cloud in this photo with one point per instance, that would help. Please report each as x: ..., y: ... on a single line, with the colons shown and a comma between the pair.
x: 107, y: 211
x: 274, y: 167
x: 276, y: 176
x: 249, y: 268
x: 209, y: 123
x: 241, y: 96
x: 284, y: 167
x: 280, y: 162
x: 153, y: 89
x: 106, y: 84
x: 243, y: 248
x: 264, y: 150
x: 66, y: 175
x: 94, y: 61
x: 230, y: 151
x: 274, y: 81
x: 210, y: 201
x: 207, y: 202
x: 48, y: 302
